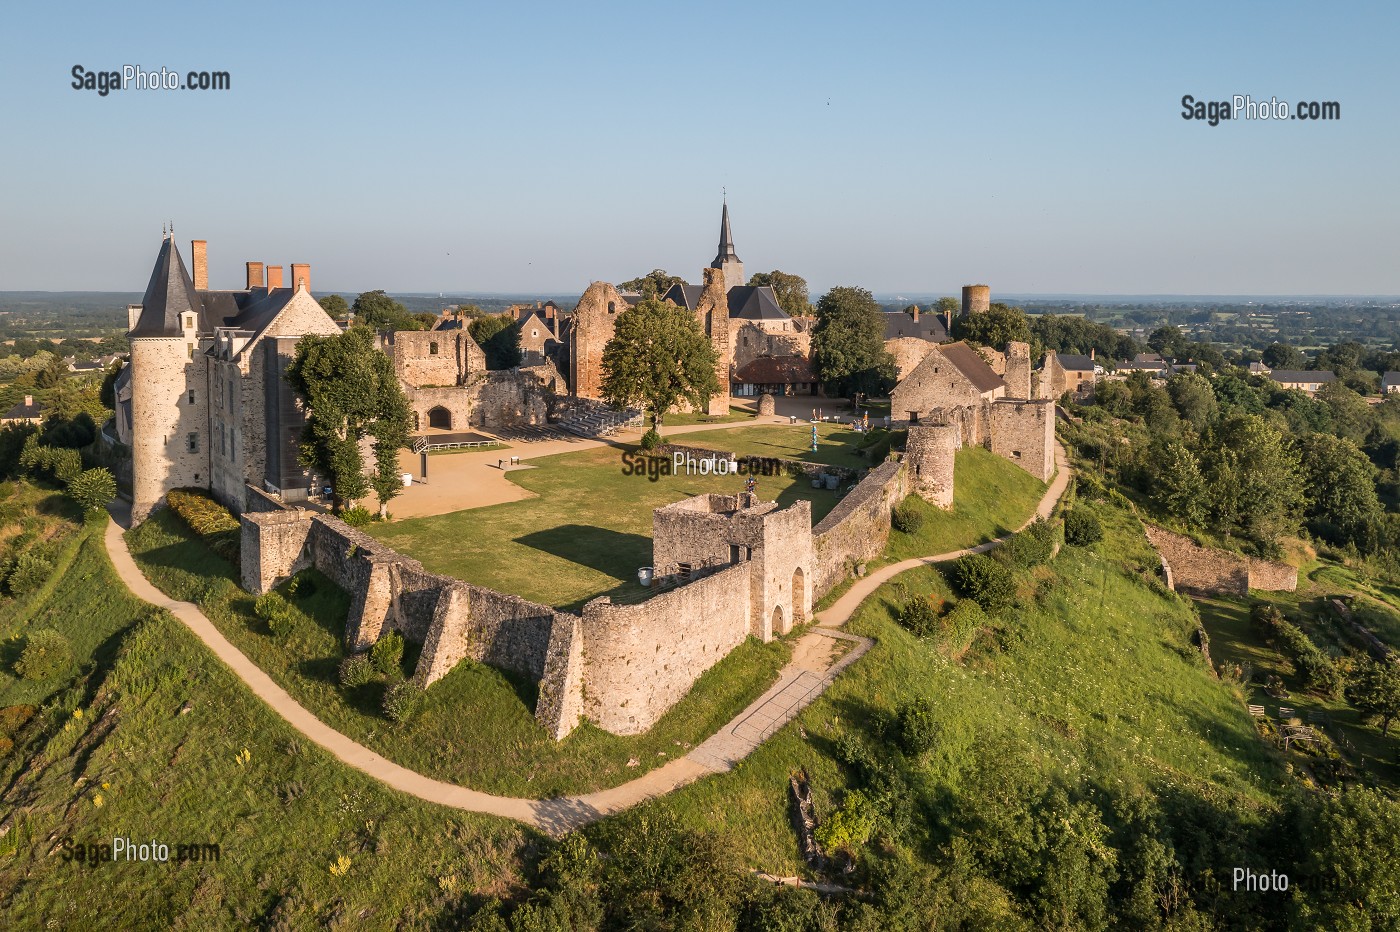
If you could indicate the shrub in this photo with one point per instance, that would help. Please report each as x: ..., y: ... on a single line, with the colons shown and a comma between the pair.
x: 1082, y: 528
x: 214, y: 523
x: 918, y: 726
x: 651, y: 439
x: 965, y: 618
x: 919, y: 617
x: 907, y: 518
x: 1031, y: 547
x: 93, y: 489
x: 15, y: 717
x: 359, y: 516
x: 402, y: 700
x: 66, y: 464
x: 1314, y: 668
x: 850, y: 826
x: 984, y: 580
x: 387, y: 653
x: 276, y: 611
x: 301, y: 587
x: 356, y: 670
x: 31, y: 570
x: 46, y: 654
x: 281, y: 623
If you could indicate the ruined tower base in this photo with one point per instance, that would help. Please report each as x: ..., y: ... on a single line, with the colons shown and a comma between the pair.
x: 930, y: 453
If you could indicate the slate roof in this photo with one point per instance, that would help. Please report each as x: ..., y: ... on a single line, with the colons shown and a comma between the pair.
x: 1292, y: 376
x: 22, y: 410
x: 726, y: 242
x: 927, y: 327
x: 971, y: 364
x: 746, y: 302
x: 169, y: 295
x: 777, y: 370
x: 1074, y: 362
x: 1389, y: 379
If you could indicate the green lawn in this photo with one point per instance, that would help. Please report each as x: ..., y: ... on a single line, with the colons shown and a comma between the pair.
x: 1093, y: 682
x: 836, y: 443
x: 584, y: 534
x: 691, y: 417
x: 111, y: 753
x: 991, y: 497
x: 477, y: 726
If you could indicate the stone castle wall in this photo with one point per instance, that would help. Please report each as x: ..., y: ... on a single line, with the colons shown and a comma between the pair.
x: 593, y: 322
x: 908, y: 352
x: 858, y: 528
x: 930, y: 457
x: 1024, y: 433
x: 165, y: 370
x: 1018, y: 371
x: 1206, y: 571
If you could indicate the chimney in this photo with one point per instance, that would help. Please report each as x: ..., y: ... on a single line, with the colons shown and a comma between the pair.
x: 274, y: 277
x: 916, y: 313
x: 29, y: 401
x: 301, y: 276
x: 255, y: 275
x: 201, y: 264
x: 1091, y: 354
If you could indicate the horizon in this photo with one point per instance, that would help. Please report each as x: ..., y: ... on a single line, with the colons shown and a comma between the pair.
x: 1042, y: 151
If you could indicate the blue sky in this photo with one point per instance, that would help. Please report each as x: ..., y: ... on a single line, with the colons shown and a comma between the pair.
x: 534, y: 147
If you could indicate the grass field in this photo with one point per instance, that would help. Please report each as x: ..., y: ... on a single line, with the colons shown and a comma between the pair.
x: 112, y: 752
x: 584, y: 534
x: 836, y: 444
x: 735, y: 415
x: 1093, y: 683
x: 477, y: 725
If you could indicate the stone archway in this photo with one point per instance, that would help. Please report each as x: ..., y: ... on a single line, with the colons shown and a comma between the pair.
x: 799, y: 597
x: 778, y: 626
x: 440, y: 418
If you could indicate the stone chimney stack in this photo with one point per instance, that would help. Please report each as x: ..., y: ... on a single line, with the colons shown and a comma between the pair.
x: 1091, y: 353
x: 255, y: 275
x: 301, y: 276
x: 200, y: 259
x: 29, y: 401
x: 274, y: 277
x: 916, y: 313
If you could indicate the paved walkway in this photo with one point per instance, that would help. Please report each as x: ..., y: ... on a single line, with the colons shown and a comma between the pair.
x: 799, y: 684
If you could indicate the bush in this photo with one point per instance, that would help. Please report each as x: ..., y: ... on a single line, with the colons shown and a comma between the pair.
x: 214, y: 523
x: 359, y: 516
x: 651, y: 439
x: 46, y: 654
x: 402, y: 700
x: 31, y: 570
x: 965, y: 618
x: 14, y: 717
x: 1314, y: 668
x: 66, y: 464
x: 93, y: 489
x: 277, y: 612
x: 918, y: 727
x: 387, y: 653
x: 919, y: 617
x: 984, y: 580
x: 282, y: 623
x: 301, y: 587
x: 907, y: 518
x: 1082, y: 528
x: 356, y: 670
x: 1031, y: 547
x: 850, y: 826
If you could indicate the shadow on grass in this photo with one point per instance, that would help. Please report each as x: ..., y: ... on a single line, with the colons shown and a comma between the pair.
x: 607, y: 551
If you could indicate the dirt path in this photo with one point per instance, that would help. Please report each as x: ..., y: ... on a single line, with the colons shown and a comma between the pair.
x: 815, y: 664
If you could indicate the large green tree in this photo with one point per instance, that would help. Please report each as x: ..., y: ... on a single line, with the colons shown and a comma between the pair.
x: 790, y: 289
x: 1283, y: 356
x: 351, y: 396
x: 653, y: 284
x: 334, y: 305
x: 994, y: 327
x: 1178, y: 486
x: 1255, y: 478
x: 499, y: 339
x: 658, y: 356
x: 1341, y: 487
x: 848, y: 343
x: 1374, y: 689
x: 1193, y: 398
x: 377, y: 311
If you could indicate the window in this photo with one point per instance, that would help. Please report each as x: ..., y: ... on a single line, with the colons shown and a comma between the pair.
x: 189, y: 321
x: 192, y: 443
x: 191, y: 350
x: 230, y: 394
x: 612, y: 307
x: 191, y: 396
x: 534, y: 333
x: 432, y: 348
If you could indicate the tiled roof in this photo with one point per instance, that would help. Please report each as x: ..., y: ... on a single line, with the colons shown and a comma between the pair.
x: 1292, y: 376
x: 971, y: 364
x: 777, y: 370
x: 1073, y: 362
x: 927, y: 327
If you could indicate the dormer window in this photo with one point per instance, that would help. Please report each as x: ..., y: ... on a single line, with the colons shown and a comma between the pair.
x: 189, y: 321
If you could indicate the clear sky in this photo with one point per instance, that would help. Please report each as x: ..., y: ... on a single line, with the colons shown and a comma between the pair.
x: 534, y: 147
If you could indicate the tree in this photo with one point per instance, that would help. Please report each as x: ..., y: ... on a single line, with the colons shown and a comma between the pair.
x: 377, y: 311
x: 93, y: 489
x: 658, y: 356
x: 653, y: 284
x: 1347, y: 881
x: 351, y: 394
x: 790, y: 289
x: 848, y: 343
x: 499, y: 339
x: 947, y: 307
x: 1375, y: 690
x: 334, y: 305
x: 1193, y: 398
x: 1254, y: 476
x: 1167, y: 341
x: 1341, y: 487
x: 1352, y: 417
x: 1179, y: 488
x: 997, y: 326
x: 1283, y: 356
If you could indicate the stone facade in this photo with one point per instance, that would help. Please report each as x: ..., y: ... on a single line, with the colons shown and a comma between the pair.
x: 950, y: 376
x: 976, y: 299
x: 444, y: 377
x: 1199, y: 570
x: 712, y: 312
x: 858, y: 528
x: 1024, y: 433
x: 1017, y: 372
x: 929, y: 456
x: 590, y: 328
x: 908, y: 352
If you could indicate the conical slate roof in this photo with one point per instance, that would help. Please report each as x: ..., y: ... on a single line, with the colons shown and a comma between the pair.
x: 726, y: 243
x: 169, y: 295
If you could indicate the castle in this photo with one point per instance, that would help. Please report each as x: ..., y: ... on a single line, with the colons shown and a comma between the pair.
x: 204, y: 398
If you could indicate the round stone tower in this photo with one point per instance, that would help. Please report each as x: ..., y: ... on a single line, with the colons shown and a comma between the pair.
x: 976, y: 299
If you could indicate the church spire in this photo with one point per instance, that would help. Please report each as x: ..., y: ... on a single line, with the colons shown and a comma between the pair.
x: 726, y: 242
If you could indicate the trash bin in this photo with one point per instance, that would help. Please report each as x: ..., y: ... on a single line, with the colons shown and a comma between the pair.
x: 644, y: 576
x: 407, y: 479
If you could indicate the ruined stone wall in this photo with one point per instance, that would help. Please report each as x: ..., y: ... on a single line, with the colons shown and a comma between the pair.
x: 593, y: 322
x: 858, y: 528
x: 713, y: 312
x: 908, y: 352
x: 930, y: 456
x: 1200, y: 570
x: 502, y: 398
x: 427, y: 358
x: 1269, y: 576
x: 273, y: 547
x: 934, y: 383
x: 750, y: 341
x: 640, y: 660
x: 1024, y: 433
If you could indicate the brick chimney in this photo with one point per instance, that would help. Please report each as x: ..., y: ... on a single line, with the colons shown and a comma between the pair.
x: 198, y: 257
x: 916, y: 313
x: 301, y: 276
x: 255, y: 275
x: 274, y: 277
x: 29, y: 401
x: 1091, y: 354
